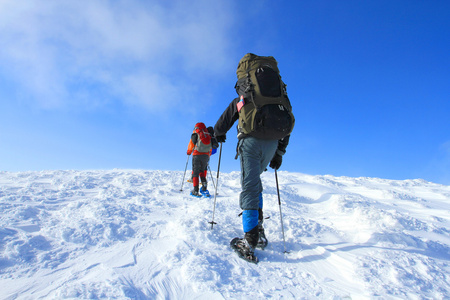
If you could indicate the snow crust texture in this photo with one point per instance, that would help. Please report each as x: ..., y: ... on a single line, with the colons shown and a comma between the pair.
x: 132, y: 234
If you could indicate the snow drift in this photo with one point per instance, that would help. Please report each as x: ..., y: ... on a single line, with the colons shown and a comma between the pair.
x: 133, y: 234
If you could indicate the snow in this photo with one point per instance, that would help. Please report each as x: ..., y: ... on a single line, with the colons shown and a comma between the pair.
x: 132, y: 234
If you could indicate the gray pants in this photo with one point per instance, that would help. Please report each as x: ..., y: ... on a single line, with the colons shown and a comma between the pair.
x: 255, y: 155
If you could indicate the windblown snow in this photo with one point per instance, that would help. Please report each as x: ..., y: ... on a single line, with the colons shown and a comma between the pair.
x: 132, y: 234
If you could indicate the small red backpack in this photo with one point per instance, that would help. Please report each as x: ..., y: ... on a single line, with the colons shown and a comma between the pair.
x: 204, y: 141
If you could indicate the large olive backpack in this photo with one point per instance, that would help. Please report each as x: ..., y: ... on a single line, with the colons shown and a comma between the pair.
x: 264, y: 108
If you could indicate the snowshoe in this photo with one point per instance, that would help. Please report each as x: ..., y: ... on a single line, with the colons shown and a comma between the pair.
x: 205, y: 192
x: 243, y: 250
x: 196, y: 194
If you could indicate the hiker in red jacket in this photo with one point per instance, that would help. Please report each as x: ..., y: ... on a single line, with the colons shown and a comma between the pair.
x: 200, y: 147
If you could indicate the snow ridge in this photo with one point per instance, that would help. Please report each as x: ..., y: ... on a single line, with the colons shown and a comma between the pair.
x: 133, y: 234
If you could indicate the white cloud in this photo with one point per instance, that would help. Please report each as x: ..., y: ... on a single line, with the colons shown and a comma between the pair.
x: 151, y: 91
x: 136, y: 51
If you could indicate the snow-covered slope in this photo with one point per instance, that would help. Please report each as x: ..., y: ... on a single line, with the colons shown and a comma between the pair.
x: 134, y: 234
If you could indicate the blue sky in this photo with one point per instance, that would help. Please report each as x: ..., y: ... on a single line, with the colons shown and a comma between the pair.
x: 120, y: 84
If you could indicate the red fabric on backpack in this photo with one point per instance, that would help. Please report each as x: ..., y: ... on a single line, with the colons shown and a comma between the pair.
x: 203, y: 133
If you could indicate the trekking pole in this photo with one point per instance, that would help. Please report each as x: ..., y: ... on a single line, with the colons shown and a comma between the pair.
x: 212, y: 179
x: 184, y: 175
x: 281, y: 215
x: 215, y: 192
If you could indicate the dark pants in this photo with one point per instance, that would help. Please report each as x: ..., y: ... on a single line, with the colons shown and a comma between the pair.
x: 199, y: 167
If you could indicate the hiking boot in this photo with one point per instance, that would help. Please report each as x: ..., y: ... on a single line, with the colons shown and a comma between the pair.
x: 262, y: 240
x: 204, y: 184
x: 252, y: 237
x: 195, y: 192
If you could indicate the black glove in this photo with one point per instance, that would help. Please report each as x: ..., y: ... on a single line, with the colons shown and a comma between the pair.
x: 275, y: 163
x: 221, y: 138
